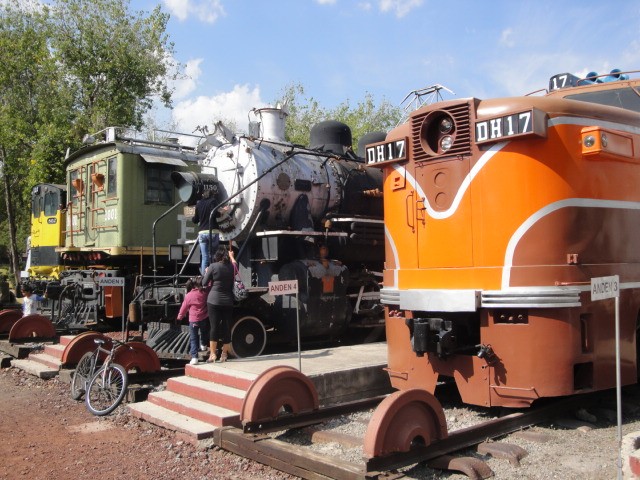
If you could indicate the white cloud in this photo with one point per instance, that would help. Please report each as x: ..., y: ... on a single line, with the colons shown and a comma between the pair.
x: 527, y: 72
x: 366, y: 6
x: 184, y: 86
x: 234, y: 106
x: 207, y: 11
x: 506, y: 38
x: 399, y: 7
x: 326, y: 2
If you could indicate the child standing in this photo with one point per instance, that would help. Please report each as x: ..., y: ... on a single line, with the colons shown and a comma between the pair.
x: 195, y: 304
x: 29, y: 300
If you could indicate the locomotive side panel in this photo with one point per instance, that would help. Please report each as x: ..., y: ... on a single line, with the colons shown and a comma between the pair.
x: 117, y: 195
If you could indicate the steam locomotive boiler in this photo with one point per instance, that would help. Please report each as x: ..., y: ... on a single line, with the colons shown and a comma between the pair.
x: 310, y: 214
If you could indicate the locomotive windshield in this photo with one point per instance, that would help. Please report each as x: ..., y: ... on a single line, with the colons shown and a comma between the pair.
x: 627, y: 98
x: 51, y: 203
x: 159, y: 185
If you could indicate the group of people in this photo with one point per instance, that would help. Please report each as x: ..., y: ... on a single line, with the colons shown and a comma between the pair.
x: 209, y: 304
x: 209, y: 300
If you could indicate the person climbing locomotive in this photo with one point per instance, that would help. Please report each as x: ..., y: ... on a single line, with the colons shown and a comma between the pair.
x: 195, y: 304
x: 221, y: 274
x: 207, y: 227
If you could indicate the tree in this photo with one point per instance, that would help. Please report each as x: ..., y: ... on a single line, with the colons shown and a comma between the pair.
x: 74, y: 67
x: 27, y: 80
x: 365, y: 118
x: 117, y: 62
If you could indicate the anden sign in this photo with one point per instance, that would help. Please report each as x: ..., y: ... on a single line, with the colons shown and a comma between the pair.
x: 605, y: 287
x: 111, y: 281
x: 283, y: 288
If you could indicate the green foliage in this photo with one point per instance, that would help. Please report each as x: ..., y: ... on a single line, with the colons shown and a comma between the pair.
x: 365, y: 117
x: 116, y: 62
x: 26, y: 90
x: 69, y: 68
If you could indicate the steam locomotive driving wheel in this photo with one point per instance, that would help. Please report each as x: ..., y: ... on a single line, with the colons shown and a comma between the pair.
x: 248, y: 337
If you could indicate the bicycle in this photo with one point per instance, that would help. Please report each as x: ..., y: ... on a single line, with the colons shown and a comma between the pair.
x: 104, y: 386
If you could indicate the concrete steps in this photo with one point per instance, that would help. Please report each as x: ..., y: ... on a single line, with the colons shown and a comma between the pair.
x: 210, y: 396
x: 50, y: 358
x: 210, y: 392
x: 207, y: 397
x: 36, y: 368
x: 197, y: 409
x: 194, y: 430
x: 47, y: 361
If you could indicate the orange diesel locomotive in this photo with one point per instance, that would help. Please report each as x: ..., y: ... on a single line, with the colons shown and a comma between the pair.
x: 498, y: 214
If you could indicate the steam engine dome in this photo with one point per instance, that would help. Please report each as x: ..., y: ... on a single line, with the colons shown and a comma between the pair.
x: 331, y: 136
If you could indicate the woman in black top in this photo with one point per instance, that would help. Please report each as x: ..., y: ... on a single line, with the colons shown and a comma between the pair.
x: 220, y: 300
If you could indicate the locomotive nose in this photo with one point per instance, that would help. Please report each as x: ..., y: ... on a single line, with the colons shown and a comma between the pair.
x: 191, y: 185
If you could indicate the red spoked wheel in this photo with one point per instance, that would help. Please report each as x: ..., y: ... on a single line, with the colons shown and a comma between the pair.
x: 277, y: 391
x: 403, y: 419
x: 32, y: 326
x: 8, y: 318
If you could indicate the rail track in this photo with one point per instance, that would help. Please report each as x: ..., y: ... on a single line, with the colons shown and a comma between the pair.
x: 284, y: 442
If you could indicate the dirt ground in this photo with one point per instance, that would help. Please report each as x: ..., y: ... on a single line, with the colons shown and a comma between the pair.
x: 44, y: 434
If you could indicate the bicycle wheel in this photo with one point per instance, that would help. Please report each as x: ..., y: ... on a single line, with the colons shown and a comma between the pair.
x: 106, y: 389
x: 81, y: 376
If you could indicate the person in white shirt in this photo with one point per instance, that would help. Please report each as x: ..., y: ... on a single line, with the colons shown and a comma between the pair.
x: 29, y: 300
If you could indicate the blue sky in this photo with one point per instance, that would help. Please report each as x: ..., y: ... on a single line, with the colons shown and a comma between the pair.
x: 242, y: 54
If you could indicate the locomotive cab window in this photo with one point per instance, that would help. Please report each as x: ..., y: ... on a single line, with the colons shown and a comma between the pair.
x: 112, y: 177
x: 73, y: 176
x: 36, y: 205
x: 159, y: 188
x: 51, y: 203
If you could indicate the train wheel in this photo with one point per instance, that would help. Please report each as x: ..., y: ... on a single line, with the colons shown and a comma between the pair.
x: 81, y: 344
x: 32, y: 326
x: 402, y: 420
x: 137, y: 356
x: 277, y: 391
x: 8, y: 318
x: 248, y: 337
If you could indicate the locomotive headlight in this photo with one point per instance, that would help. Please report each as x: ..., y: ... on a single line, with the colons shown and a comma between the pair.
x: 446, y: 125
x: 446, y: 142
x: 589, y: 141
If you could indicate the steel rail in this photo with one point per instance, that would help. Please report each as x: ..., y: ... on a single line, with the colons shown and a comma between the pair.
x: 467, y: 437
x: 304, y: 419
x: 302, y: 462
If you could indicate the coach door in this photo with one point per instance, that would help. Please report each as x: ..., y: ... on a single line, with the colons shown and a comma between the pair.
x: 443, y: 213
